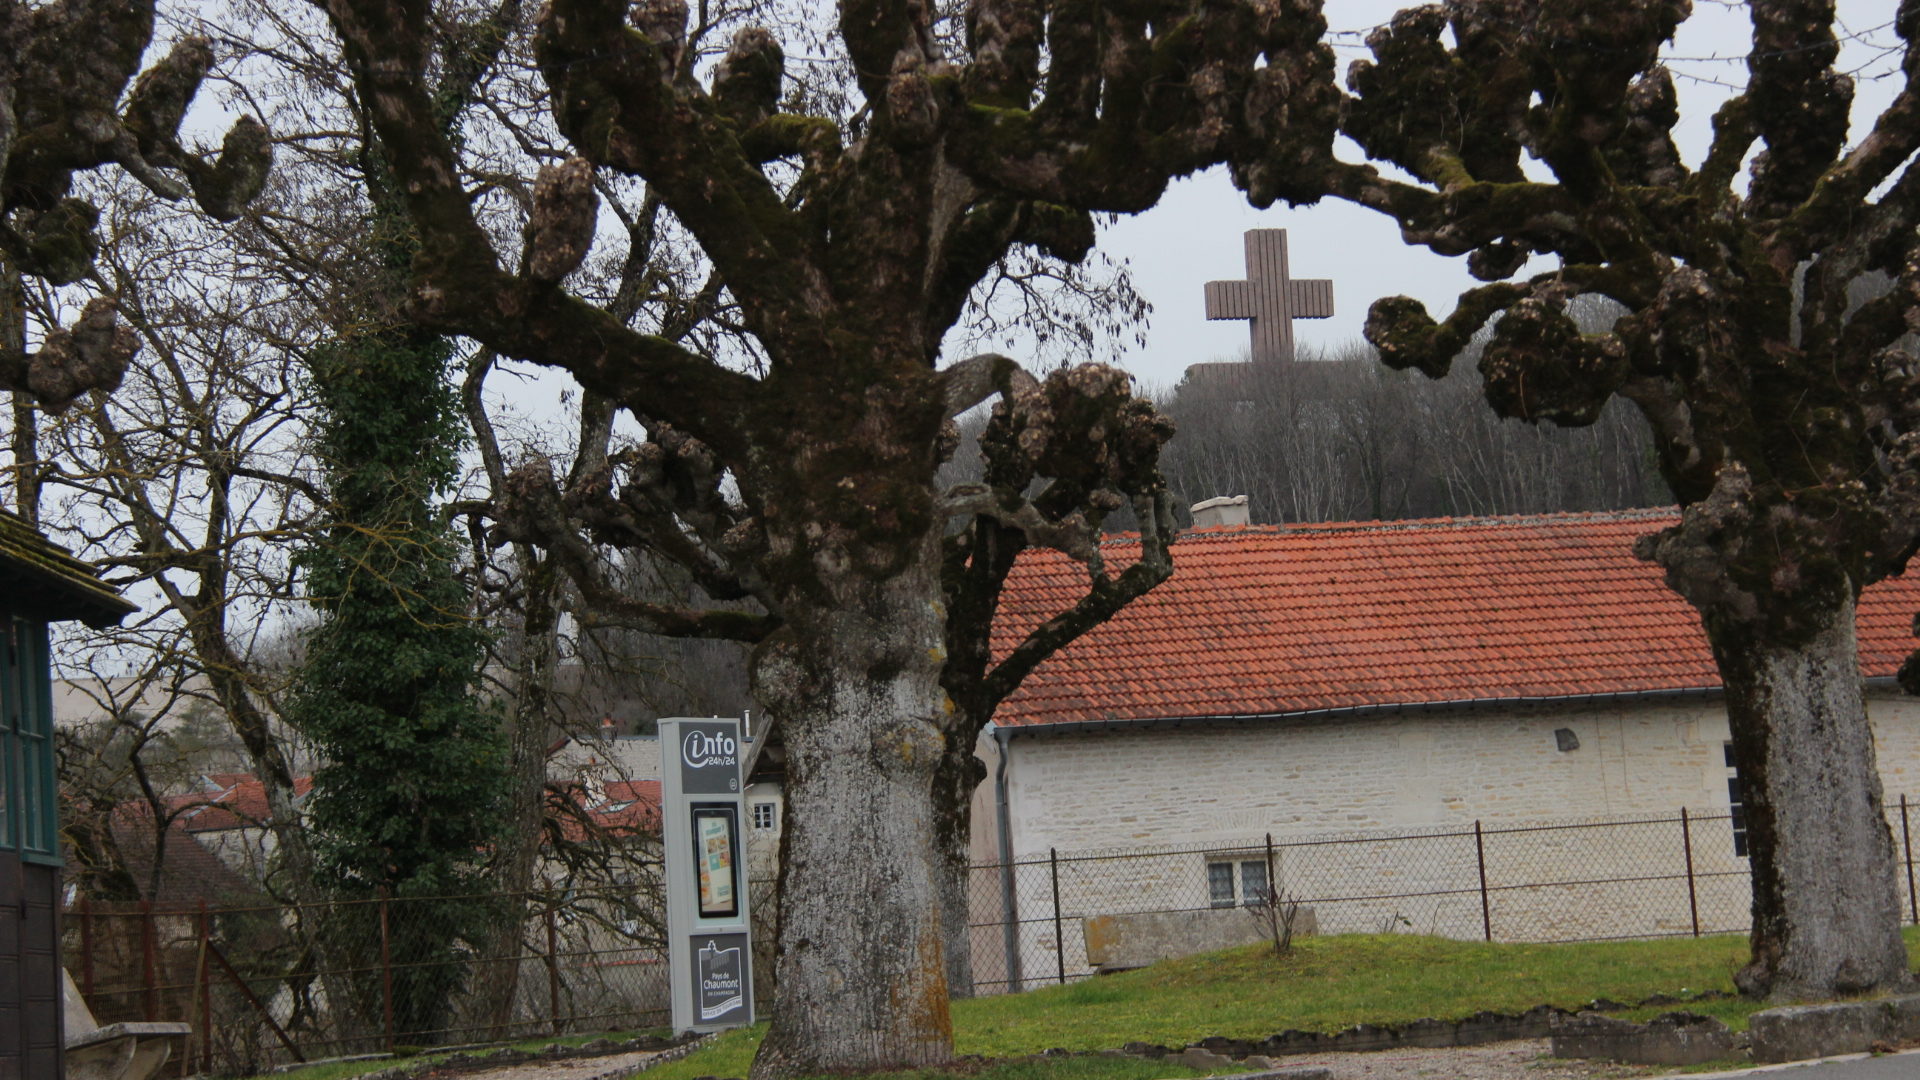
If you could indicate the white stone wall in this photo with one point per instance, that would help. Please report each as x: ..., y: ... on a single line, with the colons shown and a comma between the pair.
x: 1372, y: 818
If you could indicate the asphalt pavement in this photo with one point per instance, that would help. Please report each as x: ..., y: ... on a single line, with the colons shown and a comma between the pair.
x: 1902, y: 1066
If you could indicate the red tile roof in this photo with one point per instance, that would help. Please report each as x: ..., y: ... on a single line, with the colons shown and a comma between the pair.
x: 234, y: 801
x: 625, y: 808
x: 1267, y: 620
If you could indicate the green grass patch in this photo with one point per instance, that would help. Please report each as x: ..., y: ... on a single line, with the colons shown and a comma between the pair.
x: 1330, y: 983
x: 1326, y: 984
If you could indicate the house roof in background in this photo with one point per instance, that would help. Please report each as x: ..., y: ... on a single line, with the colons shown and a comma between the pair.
x: 46, y: 578
x: 1273, y: 620
x: 229, y: 801
x: 622, y: 809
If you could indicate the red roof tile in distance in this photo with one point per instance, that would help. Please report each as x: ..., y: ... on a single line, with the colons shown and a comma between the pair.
x: 1266, y: 620
x: 242, y: 804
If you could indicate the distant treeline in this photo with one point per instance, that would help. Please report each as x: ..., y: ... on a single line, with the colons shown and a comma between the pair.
x: 1346, y: 439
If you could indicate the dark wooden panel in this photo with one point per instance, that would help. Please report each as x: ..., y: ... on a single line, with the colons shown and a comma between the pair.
x: 40, y: 1011
x: 12, y: 1023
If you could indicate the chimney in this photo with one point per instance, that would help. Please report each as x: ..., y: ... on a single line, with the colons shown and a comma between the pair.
x: 607, y: 728
x: 1223, y: 510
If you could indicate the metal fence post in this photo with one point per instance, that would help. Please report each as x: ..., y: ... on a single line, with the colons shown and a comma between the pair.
x: 206, y: 992
x: 1906, y: 842
x: 86, y: 946
x: 386, y: 969
x: 553, y: 972
x: 1059, y: 942
x: 1273, y: 883
x: 1686, y: 843
x: 1486, y: 906
x: 149, y: 974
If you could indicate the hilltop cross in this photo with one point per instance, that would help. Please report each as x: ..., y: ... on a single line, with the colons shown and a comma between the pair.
x: 1269, y: 298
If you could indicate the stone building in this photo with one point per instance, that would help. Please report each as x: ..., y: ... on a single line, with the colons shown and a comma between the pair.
x: 1413, y: 712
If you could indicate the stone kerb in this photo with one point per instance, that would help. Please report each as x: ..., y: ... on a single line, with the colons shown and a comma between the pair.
x: 1679, y: 1038
x: 1799, y: 1032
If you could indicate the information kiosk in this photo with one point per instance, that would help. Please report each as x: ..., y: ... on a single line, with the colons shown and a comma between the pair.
x: 702, y: 810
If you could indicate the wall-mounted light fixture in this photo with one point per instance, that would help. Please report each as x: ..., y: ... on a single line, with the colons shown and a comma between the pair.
x: 1565, y: 739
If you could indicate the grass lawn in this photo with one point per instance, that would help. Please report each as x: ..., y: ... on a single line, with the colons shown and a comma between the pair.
x: 1327, y: 984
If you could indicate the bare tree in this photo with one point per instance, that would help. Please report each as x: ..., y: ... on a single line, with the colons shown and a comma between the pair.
x: 187, y: 483
x: 65, y: 110
x: 806, y: 485
x: 1788, y: 432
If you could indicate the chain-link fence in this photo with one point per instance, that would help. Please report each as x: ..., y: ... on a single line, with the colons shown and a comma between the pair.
x: 1066, y: 915
x: 262, y: 986
x: 268, y: 985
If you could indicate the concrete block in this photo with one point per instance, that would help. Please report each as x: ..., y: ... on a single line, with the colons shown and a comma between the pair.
x: 1678, y: 1038
x: 1799, y: 1032
x: 1123, y: 942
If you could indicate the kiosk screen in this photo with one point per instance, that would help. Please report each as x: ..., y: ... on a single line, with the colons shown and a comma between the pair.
x: 714, y: 857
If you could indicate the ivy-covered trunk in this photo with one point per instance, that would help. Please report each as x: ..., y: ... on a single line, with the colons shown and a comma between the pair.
x: 862, y: 978
x: 406, y: 804
x: 1826, y: 904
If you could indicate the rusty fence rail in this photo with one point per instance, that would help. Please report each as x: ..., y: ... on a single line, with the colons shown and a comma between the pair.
x: 269, y: 985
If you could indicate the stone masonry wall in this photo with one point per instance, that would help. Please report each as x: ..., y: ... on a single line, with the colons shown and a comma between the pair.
x: 1373, y: 817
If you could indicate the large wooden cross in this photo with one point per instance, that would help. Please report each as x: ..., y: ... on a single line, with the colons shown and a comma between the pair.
x: 1269, y: 298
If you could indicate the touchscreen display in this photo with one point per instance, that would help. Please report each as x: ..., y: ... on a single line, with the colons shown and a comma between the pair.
x: 713, y: 858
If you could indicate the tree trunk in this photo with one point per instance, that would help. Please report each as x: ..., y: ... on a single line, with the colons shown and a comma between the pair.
x: 535, y: 658
x: 959, y: 773
x: 1826, y: 907
x: 860, y: 959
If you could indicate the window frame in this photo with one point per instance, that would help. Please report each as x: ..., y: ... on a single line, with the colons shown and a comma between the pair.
x: 29, y: 822
x: 1232, y: 869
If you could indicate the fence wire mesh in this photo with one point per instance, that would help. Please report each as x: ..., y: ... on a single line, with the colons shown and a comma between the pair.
x: 263, y: 986
x: 1066, y: 915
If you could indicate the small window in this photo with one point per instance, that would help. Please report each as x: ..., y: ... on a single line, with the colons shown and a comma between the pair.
x: 765, y: 815
x: 1236, y: 882
x: 1736, y: 810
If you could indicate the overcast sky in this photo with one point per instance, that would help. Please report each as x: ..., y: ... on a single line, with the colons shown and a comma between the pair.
x: 1194, y: 235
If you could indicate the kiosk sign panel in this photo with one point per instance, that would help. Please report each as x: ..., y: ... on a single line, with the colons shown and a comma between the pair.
x: 720, y: 979
x: 709, y: 757
x: 702, y: 806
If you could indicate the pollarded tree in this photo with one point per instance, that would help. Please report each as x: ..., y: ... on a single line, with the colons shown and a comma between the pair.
x: 65, y: 109
x: 1789, y: 431
x: 807, y: 489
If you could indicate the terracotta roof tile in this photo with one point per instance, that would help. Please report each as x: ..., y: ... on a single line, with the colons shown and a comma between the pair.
x: 236, y: 801
x: 1266, y: 620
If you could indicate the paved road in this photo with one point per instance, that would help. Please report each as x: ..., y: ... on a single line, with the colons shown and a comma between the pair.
x: 1901, y: 1066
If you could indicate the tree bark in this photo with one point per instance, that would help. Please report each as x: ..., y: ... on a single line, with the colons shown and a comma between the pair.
x: 1826, y: 905
x: 865, y: 985
x: 535, y: 658
x: 954, y: 781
